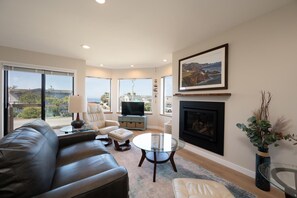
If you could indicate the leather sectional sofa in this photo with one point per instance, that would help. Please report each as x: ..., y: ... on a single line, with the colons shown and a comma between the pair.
x: 34, y: 161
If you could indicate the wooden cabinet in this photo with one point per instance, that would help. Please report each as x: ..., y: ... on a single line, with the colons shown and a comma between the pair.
x: 133, y: 122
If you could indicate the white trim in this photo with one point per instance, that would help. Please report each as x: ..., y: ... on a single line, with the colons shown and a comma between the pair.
x: 212, y: 157
x: 219, y: 160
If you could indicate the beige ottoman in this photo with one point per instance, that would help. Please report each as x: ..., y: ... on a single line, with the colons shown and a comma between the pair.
x: 121, y: 135
x: 199, y: 188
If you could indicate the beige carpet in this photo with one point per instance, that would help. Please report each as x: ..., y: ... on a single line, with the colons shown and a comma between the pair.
x: 141, y: 178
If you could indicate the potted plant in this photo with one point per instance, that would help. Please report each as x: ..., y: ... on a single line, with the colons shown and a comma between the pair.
x: 262, y: 133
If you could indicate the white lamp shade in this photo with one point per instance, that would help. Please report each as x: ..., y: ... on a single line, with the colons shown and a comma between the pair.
x: 76, y: 104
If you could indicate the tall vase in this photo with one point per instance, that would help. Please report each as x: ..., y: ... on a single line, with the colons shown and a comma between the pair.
x: 262, y: 156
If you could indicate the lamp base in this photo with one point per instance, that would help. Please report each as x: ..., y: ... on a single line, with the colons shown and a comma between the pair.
x: 77, y: 124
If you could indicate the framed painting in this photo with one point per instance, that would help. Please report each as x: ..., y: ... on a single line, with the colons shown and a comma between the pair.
x: 204, y: 71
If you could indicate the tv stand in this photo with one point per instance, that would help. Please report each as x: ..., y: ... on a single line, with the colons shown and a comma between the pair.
x: 133, y: 122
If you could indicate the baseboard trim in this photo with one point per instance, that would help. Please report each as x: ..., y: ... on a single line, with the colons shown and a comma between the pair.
x: 221, y: 161
x: 212, y: 157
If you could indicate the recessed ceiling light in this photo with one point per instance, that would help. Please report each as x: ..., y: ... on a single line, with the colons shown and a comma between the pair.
x: 131, y: 65
x: 85, y: 46
x: 100, y: 1
x: 164, y: 60
x: 101, y: 65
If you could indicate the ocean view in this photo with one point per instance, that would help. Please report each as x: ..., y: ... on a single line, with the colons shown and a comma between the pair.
x: 96, y: 100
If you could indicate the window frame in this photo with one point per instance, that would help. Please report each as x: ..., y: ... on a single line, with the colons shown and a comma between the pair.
x: 43, y: 71
x: 162, y: 97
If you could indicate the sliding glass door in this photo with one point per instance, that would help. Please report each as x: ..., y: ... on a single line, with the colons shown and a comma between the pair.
x: 36, y: 94
x: 24, y: 97
x: 58, y: 88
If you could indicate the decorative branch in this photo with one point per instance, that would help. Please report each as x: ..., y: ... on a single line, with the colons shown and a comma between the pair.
x: 260, y: 130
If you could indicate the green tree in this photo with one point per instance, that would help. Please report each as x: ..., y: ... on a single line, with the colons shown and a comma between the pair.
x: 30, y: 98
x: 57, y: 106
x: 105, y: 98
x: 30, y: 112
x: 147, y: 107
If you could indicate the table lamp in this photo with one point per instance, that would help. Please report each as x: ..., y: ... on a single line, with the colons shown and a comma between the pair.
x: 76, y: 105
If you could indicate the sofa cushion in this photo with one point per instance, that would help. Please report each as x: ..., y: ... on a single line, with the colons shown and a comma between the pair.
x: 80, y: 151
x: 27, y: 163
x: 45, y: 129
x: 82, y: 169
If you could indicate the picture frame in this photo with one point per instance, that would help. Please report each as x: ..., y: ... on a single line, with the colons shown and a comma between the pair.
x: 206, y: 70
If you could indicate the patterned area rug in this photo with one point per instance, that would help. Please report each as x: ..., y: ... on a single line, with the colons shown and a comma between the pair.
x: 141, y: 178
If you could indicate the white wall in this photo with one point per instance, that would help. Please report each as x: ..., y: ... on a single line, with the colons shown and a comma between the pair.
x: 262, y: 56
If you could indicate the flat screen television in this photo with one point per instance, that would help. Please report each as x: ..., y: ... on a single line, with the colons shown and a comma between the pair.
x: 133, y: 108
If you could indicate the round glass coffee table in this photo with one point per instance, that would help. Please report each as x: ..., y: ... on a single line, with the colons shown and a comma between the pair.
x: 157, y: 148
x: 283, y: 176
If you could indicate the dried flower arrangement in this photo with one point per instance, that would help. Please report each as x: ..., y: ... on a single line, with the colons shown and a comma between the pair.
x: 261, y: 132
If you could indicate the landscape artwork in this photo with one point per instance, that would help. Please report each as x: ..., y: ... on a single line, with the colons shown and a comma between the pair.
x: 205, y: 70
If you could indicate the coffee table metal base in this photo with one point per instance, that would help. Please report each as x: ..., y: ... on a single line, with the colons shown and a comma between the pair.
x: 157, y: 158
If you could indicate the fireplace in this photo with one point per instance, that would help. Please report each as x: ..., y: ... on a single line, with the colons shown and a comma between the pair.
x: 202, y: 124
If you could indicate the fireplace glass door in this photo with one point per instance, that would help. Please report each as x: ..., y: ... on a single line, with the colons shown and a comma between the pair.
x: 202, y: 124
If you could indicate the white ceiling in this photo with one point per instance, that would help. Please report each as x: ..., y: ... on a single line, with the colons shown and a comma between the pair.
x: 121, y: 32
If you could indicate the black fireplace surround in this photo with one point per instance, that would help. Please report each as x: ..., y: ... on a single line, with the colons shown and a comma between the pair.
x: 202, y: 124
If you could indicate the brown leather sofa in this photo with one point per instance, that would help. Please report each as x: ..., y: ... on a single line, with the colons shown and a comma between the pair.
x: 35, y: 162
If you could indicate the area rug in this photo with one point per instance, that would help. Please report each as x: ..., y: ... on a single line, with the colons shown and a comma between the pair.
x: 141, y: 178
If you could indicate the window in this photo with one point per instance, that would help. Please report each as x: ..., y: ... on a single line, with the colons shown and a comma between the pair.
x: 98, y: 91
x: 36, y: 94
x: 136, y: 90
x: 166, y: 96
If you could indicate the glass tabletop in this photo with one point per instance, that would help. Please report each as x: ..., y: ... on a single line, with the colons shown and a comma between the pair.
x: 283, y: 176
x: 70, y: 129
x: 158, y: 142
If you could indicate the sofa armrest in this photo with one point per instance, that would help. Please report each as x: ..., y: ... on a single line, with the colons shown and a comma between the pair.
x: 66, y: 140
x: 111, y: 123
x: 109, y: 184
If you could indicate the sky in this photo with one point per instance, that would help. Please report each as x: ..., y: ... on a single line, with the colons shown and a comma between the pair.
x: 27, y: 80
x: 168, y: 88
x: 95, y: 87
x: 141, y: 86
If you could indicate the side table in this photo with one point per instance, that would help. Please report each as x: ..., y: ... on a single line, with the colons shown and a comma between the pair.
x: 283, y: 176
x: 158, y: 148
x: 70, y: 129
